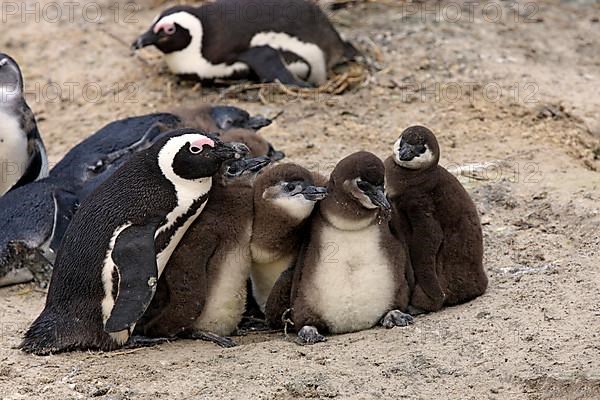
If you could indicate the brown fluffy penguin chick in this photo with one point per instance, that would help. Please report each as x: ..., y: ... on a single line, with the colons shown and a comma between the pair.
x: 436, y: 215
x: 203, y: 292
x: 284, y: 198
x: 220, y: 118
x: 256, y: 143
x: 352, y: 273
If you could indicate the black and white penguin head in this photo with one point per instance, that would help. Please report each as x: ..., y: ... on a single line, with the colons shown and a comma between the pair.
x: 416, y: 148
x: 11, y: 81
x: 173, y: 30
x: 188, y: 156
x: 357, y: 191
x: 287, y: 189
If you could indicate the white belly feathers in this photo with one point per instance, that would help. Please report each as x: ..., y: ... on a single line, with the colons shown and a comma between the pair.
x: 353, y: 285
x: 226, y: 299
x: 266, y: 269
x: 13, y: 151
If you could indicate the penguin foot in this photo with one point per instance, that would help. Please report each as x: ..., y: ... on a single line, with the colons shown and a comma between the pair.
x: 413, y: 310
x: 396, y: 318
x: 309, y: 335
x: 137, y: 341
x: 211, y: 337
x: 252, y: 324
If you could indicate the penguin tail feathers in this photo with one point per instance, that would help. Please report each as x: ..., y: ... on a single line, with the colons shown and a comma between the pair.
x: 42, y: 337
x: 56, y: 332
x: 350, y: 52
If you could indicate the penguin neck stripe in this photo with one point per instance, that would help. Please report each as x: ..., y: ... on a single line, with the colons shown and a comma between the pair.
x: 187, y: 191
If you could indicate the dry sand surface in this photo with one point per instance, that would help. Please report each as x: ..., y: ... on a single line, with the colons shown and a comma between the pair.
x: 520, y: 84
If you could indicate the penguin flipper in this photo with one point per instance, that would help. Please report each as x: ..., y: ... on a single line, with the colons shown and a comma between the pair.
x: 37, y: 165
x: 424, y: 246
x: 279, y: 300
x: 65, y: 205
x: 134, y: 255
x: 266, y: 62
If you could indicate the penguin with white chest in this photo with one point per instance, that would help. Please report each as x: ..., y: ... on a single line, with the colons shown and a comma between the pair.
x: 291, y: 41
x: 120, y: 240
x: 439, y: 220
x: 284, y: 199
x: 202, y: 294
x: 23, y: 156
x: 352, y: 273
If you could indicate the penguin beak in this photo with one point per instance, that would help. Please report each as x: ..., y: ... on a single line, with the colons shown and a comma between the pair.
x: 146, y: 39
x: 377, y: 196
x: 229, y: 151
x: 407, y: 152
x: 246, y: 165
x: 314, y: 193
x: 275, y: 155
x: 257, y: 122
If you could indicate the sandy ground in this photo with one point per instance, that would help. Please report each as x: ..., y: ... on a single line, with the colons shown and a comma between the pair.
x: 513, y: 82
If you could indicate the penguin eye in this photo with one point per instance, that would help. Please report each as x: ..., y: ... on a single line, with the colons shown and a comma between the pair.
x: 169, y: 30
x: 227, y: 123
x: 421, y: 148
x: 195, y: 149
x: 362, y: 185
x: 290, y: 187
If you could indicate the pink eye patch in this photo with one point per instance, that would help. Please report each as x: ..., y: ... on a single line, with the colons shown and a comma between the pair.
x: 196, y: 146
x: 168, y: 27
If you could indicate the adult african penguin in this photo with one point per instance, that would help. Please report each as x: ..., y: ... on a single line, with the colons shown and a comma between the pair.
x: 351, y: 273
x: 440, y: 221
x: 120, y: 240
x: 284, y: 199
x: 202, y: 293
x: 23, y: 157
x: 287, y: 40
x: 34, y: 217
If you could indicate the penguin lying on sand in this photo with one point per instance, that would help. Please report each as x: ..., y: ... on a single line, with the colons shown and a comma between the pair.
x: 352, y: 273
x: 202, y: 294
x: 284, y: 199
x: 220, y: 118
x: 106, y: 150
x: 97, y: 157
x: 33, y: 218
x: 438, y: 218
x: 120, y: 240
x: 287, y: 40
x: 22, y: 154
